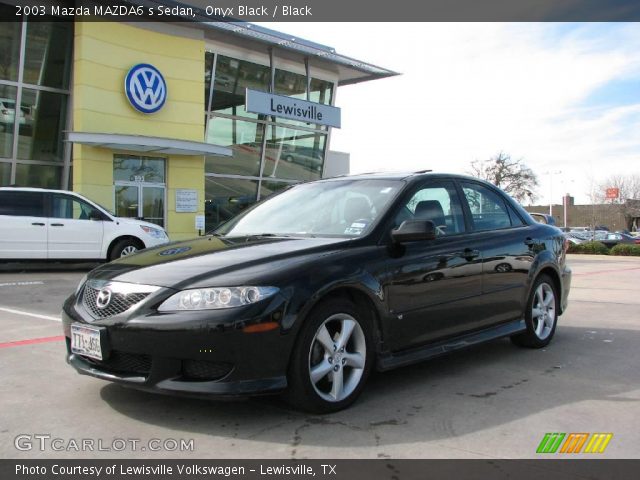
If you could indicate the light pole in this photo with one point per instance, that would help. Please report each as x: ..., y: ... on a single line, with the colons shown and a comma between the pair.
x: 551, y: 173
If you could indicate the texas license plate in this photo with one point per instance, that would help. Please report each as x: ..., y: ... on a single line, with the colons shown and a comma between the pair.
x: 86, y: 341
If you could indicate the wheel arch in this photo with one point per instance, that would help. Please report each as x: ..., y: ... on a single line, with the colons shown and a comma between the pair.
x: 119, y: 239
x: 356, y: 294
x: 555, y: 277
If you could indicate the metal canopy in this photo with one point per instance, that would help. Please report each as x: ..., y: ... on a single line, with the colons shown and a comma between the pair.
x: 143, y: 144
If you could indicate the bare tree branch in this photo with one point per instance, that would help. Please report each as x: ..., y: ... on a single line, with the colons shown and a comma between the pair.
x: 512, y: 176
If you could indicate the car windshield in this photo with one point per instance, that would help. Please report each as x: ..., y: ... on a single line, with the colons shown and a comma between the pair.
x: 344, y: 208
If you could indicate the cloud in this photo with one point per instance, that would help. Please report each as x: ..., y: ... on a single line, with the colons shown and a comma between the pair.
x: 468, y: 91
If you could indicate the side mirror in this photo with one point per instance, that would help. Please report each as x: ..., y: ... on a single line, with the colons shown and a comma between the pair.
x: 413, y: 231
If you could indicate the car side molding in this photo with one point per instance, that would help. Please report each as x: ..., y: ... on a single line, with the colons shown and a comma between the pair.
x: 389, y: 361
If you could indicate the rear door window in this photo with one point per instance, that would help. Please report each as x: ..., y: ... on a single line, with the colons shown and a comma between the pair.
x: 488, y: 209
x: 22, y: 204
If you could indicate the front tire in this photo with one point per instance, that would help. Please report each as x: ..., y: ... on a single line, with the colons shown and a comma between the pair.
x: 541, y: 315
x: 125, y: 247
x: 331, y: 359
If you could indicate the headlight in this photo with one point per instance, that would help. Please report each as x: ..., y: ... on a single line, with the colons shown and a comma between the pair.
x: 154, y: 232
x: 84, y: 279
x: 215, y: 298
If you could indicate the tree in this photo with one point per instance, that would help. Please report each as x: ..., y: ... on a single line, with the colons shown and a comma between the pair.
x: 512, y: 176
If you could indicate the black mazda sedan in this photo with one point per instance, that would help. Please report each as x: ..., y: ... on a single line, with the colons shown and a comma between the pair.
x: 307, y: 291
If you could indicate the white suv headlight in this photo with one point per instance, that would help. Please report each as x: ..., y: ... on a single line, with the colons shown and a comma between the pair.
x: 154, y: 232
x: 215, y: 298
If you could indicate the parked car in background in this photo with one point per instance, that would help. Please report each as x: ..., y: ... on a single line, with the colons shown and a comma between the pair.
x: 41, y: 224
x: 613, y: 239
x: 311, y: 289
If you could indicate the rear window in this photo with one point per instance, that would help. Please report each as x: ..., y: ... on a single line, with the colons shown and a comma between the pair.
x: 22, y: 204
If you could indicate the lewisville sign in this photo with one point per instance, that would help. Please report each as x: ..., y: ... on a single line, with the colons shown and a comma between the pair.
x: 292, y: 108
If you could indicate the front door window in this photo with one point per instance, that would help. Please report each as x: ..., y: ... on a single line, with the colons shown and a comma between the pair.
x: 140, y: 188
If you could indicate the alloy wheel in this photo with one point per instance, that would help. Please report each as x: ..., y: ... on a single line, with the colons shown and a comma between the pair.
x: 337, y: 357
x: 543, y: 311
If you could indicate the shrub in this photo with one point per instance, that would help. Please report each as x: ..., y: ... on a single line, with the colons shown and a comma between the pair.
x: 626, y: 249
x: 589, y: 248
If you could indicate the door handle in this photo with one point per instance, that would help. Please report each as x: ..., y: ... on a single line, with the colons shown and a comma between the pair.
x: 57, y: 224
x: 469, y: 254
x: 38, y: 224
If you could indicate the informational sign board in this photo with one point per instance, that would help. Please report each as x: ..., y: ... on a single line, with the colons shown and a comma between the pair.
x: 292, y: 108
x: 612, y: 193
x: 186, y: 201
x: 199, y: 222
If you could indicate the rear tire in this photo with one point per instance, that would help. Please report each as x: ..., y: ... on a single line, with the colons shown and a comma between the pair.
x: 125, y: 247
x: 541, y: 314
x: 332, y: 358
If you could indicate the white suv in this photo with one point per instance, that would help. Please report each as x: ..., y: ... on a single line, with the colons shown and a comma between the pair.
x: 37, y: 223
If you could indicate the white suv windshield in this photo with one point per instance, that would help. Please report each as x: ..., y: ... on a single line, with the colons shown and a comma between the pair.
x: 346, y: 208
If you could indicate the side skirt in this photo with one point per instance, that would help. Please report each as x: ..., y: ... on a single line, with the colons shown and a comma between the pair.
x: 388, y: 361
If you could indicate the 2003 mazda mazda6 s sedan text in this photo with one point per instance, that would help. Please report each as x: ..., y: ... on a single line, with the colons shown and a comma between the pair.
x: 308, y: 291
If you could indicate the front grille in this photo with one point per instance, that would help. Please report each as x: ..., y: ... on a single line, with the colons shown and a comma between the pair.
x: 200, y: 370
x: 123, y: 362
x: 122, y: 297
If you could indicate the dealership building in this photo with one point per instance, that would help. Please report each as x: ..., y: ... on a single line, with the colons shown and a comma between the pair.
x: 178, y: 123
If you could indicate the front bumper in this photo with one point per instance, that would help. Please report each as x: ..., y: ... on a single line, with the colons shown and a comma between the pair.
x: 187, y: 353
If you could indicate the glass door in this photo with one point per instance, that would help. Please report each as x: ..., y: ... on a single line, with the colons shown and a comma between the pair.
x: 140, y: 188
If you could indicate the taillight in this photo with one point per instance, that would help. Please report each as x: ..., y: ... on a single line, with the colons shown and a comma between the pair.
x: 637, y: 241
x: 566, y: 245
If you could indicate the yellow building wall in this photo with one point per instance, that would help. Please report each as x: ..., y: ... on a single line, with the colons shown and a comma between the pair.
x: 103, y: 54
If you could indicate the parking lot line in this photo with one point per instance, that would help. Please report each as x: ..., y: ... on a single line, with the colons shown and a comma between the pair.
x: 32, y: 341
x: 29, y: 314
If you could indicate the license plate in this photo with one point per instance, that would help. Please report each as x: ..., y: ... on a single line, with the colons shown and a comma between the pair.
x: 86, y: 341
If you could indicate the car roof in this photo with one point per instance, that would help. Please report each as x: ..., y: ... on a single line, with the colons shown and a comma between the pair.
x: 401, y: 176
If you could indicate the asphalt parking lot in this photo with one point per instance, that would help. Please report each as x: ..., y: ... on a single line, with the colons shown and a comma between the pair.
x: 493, y: 401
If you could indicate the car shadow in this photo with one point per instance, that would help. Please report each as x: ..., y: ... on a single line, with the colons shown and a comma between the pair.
x: 462, y: 393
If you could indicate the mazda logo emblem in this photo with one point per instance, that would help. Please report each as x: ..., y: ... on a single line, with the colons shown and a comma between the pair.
x: 146, y: 88
x: 104, y: 298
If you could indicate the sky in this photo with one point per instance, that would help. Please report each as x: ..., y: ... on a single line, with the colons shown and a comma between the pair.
x: 563, y: 97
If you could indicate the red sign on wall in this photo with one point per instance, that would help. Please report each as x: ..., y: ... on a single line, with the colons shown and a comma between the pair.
x: 612, y: 193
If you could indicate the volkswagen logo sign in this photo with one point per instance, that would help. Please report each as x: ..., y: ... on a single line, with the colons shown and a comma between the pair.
x: 104, y: 298
x: 145, y: 88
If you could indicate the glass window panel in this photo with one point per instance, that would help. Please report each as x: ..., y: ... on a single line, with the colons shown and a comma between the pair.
x: 44, y: 176
x: 232, y: 77
x: 488, y: 210
x: 321, y: 91
x: 66, y: 206
x: 126, y: 201
x: 244, y: 138
x: 42, y: 120
x: 9, y: 44
x: 153, y: 205
x: 48, y: 53
x: 132, y: 168
x: 294, y: 154
x: 437, y: 202
x: 5, y: 174
x: 290, y: 84
x: 225, y: 198
x: 28, y: 204
x: 7, y: 118
x: 208, y: 65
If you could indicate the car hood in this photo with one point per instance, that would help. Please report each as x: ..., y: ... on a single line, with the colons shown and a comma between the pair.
x: 194, y: 262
